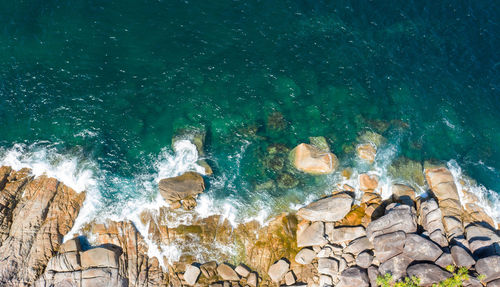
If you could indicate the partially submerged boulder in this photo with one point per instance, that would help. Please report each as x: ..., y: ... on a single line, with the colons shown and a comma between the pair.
x: 310, y: 159
x: 332, y: 208
x: 367, y: 152
x: 183, y: 187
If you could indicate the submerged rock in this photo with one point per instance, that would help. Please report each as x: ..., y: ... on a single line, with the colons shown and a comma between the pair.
x: 310, y: 159
x: 179, y: 188
x: 367, y: 152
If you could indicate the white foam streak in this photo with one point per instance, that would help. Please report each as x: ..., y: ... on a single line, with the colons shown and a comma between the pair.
x: 489, y: 200
x: 46, y: 161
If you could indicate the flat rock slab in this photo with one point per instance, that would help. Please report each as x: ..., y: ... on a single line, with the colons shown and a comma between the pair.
x: 328, y: 209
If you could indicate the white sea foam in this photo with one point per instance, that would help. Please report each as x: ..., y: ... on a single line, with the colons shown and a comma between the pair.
x: 45, y: 160
x: 489, y: 200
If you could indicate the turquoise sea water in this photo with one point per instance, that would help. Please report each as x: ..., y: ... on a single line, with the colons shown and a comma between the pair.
x: 102, y: 86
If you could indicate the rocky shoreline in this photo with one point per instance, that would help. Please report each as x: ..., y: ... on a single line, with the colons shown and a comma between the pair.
x: 338, y: 240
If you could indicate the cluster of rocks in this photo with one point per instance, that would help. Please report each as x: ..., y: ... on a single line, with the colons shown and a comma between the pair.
x: 414, y: 236
x: 338, y: 240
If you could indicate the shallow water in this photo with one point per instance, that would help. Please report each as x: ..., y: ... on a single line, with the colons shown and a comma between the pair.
x: 93, y: 92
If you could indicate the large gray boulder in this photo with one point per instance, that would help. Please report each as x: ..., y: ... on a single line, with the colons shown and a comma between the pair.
x: 461, y: 257
x: 328, y: 209
x: 483, y: 241
x: 343, y: 234
x: 420, y: 249
x: 398, y: 217
x: 396, y: 266
x: 364, y: 259
x: 389, y: 245
x: 354, y: 276
x: 444, y: 260
x: 358, y: 245
x: 312, y: 235
x: 428, y: 273
x: 489, y: 267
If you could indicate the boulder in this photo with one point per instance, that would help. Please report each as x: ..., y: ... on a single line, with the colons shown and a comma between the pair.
x: 191, y: 274
x: 368, y: 182
x: 396, y: 266
x: 253, y: 279
x: 367, y: 152
x: 312, y: 235
x: 305, y: 256
x: 403, y: 194
x: 310, y: 159
x: 364, y: 259
x: 358, y: 245
x: 442, y: 183
x: 344, y: 233
x: 242, y: 270
x: 328, y: 266
x: 483, y: 241
x: 373, y: 275
x: 185, y: 186
x: 278, y: 270
x: 430, y: 218
x: 444, y: 260
x: 489, y: 267
x: 226, y: 272
x: 389, y: 245
x: 461, y: 257
x: 428, y: 273
x: 332, y: 208
x: 420, y: 249
x: 290, y: 278
x: 209, y: 269
x: 354, y: 276
x: 397, y: 218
